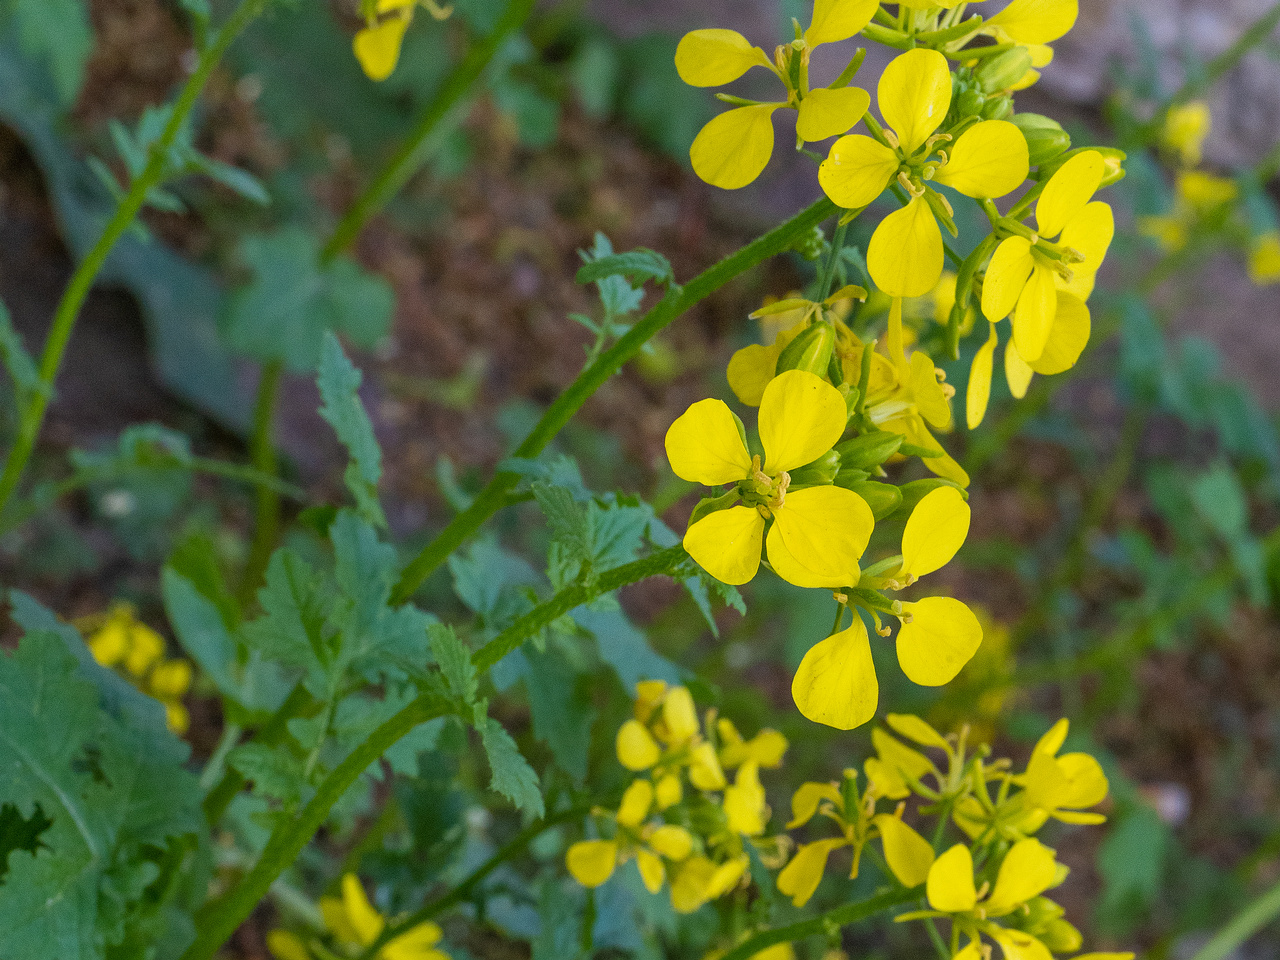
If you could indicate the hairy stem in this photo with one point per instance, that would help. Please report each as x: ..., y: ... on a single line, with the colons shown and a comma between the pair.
x: 676, y: 303
x: 839, y: 917
x: 218, y: 920
x: 64, y: 320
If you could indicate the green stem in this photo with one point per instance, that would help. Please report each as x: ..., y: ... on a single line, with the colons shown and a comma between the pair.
x: 433, y: 908
x: 77, y: 291
x: 673, y: 305
x: 656, y: 564
x: 218, y: 920
x: 446, y: 106
x: 839, y: 917
x: 1243, y: 925
x: 262, y: 449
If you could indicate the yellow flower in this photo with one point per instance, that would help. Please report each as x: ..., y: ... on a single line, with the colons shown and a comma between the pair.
x: 1062, y: 787
x: 744, y: 802
x: 355, y: 923
x: 765, y: 749
x: 1264, y: 259
x: 1023, y: 280
x: 895, y: 767
x: 990, y: 159
x: 799, y: 879
x: 1033, y: 22
x: 377, y: 46
x: 700, y: 880
x: 1186, y: 127
x: 734, y: 148
x: 123, y: 642
x: 818, y: 534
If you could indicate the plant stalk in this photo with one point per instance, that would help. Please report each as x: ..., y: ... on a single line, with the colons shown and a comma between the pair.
x: 1256, y: 915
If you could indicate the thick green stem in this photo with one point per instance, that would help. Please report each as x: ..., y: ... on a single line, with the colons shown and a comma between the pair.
x: 656, y: 564
x: 433, y: 908
x: 447, y: 105
x: 832, y: 919
x: 262, y: 450
x: 1256, y: 915
x: 677, y: 302
x: 64, y: 320
x: 218, y: 920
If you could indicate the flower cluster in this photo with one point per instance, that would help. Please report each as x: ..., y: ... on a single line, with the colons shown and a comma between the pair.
x: 992, y: 887
x: 1206, y: 204
x: 119, y: 641
x: 354, y: 925
x: 682, y: 821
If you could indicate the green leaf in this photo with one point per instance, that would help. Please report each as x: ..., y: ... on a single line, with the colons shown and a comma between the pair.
x: 339, y: 383
x: 292, y: 630
x: 561, y: 716
x: 511, y: 774
x: 454, y: 660
x: 115, y: 793
x: 636, y: 265
x: 17, y: 361
x: 57, y: 32
x: 283, y: 313
x: 274, y: 772
x: 1131, y: 861
x: 625, y: 648
x: 200, y: 630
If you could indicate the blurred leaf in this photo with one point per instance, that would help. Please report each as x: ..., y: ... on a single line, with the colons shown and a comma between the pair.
x: 454, y: 659
x: 339, y: 383
x: 1131, y: 861
x: 57, y: 33
x: 16, y: 360
x: 635, y: 265
x: 561, y: 715
x: 284, y: 312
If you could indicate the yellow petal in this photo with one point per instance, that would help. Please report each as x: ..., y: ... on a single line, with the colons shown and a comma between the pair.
x: 415, y: 944
x: 704, y: 768
x: 978, y: 393
x: 170, y: 680
x: 829, y: 113
x: 1017, y: 945
x: 591, y: 862
x: 727, y: 544
x: 1068, y: 191
x: 709, y: 58
x: 1264, y: 260
x: 836, y: 685
x: 989, y: 160
x: 913, y: 728
x: 823, y: 532
x: 1086, y: 783
x: 636, y: 803
x: 378, y: 47
x: 649, y: 696
x: 750, y: 370
x: 287, y: 946
x: 1054, y: 738
x: 912, y: 763
x: 909, y: 855
x: 1016, y: 371
x: 669, y: 791
x: 652, y: 872
x: 905, y: 253
x: 365, y: 921
x: 950, y: 884
x: 1028, y: 870
x: 637, y: 750
x: 679, y: 716
x: 856, y: 171
x: 836, y: 20
x: 806, y: 800
x: 941, y: 638
x: 800, y: 878
x: 146, y: 649
x: 1090, y: 231
x: 734, y: 148
x: 1068, y: 337
x: 801, y: 418
x: 1006, y: 276
x: 727, y: 875
x: 914, y: 96
x: 931, y: 402
x: 1036, y: 21
x: 674, y: 843
x: 110, y: 644
x: 744, y: 802
x: 1035, y: 313
x: 689, y: 884
x: 704, y: 445
x: 767, y: 748
x: 335, y: 919
x: 935, y: 532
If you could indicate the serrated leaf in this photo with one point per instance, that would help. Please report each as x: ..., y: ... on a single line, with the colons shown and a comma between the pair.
x: 339, y: 383
x: 561, y: 717
x: 635, y: 265
x: 454, y: 660
x: 274, y: 772
x: 283, y: 313
x: 292, y: 630
x: 511, y: 774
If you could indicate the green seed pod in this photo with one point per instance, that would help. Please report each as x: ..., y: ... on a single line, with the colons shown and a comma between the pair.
x: 998, y: 109
x: 1003, y: 71
x: 1046, y: 139
x: 810, y: 351
x: 883, y: 498
x: 870, y: 450
x: 818, y: 473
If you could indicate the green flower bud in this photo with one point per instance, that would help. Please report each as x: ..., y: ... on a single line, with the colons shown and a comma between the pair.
x: 870, y: 450
x: 818, y: 473
x: 810, y: 351
x: 1003, y: 71
x: 850, y: 475
x: 998, y: 109
x: 970, y: 103
x: 1046, y: 139
x: 883, y: 498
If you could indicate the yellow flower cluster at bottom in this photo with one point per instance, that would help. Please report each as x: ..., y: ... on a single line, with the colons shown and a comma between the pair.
x: 122, y: 642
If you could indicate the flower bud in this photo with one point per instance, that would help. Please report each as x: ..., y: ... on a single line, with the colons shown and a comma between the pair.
x: 1004, y: 70
x: 998, y: 109
x: 810, y: 351
x: 869, y: 450
x: 970, y: 103
x: 883, y: 498
x: 820, y: 472
x: 1046, y: 139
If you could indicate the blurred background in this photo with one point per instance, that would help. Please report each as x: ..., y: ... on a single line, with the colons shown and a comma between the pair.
x: 1121, y: 512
